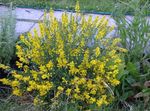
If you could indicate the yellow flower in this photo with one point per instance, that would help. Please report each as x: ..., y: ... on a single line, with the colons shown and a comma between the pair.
x: 117, y: 61
x: 43, y: 68
x: 5, y: 81
x: 22, y: 38
x: 62, y: 62
x: 36, y: 101
x: 60, y: 88
x: 25, y: 79
x: 45, y: 76
x: 92, y: 100
x: 18, y: 76
x: 99, y: 102
x: 18, y: 47
x: 15, y: 83
x: 89, y: 84
x: 100, y: 34
x: 29, y: 89
x: 42, y: 30
x: 83, y: 72
x: 35, y: 74
x: 43, y: 89
x: 102, y: 100
x: 64, y: 80
x: 19, y: 64
x: 64, y: 19
x: 93, y: 62
x: 2, y: 66
x: 49, y: 65
x: 123, y: 50
x: 68, y: 91
x: 77, y: 7
x: 32, y: 84
x: 75, y: 52
x: 17, y: 92
x: 82, y: 81
x: 77, y: 90
x: 86, y: 95
x: 73, y: 69
x: 76, y: 96
x: 97, y: 51
x: 115, y: 82
x: 93, y: 92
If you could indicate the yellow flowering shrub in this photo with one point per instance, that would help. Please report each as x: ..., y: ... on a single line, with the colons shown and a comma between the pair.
x: 70, y: 59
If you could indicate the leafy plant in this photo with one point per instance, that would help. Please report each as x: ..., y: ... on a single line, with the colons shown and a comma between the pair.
x: 7, y: 36
x: 135, y: 37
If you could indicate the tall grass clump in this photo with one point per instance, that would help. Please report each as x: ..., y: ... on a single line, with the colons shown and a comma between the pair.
x: 135, y: 37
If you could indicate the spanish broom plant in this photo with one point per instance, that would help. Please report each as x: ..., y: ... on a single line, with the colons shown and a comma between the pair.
x: 68, y: 62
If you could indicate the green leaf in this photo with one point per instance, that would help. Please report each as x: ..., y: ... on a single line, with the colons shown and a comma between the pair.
x: 146, y: 91
x: 132, y: 68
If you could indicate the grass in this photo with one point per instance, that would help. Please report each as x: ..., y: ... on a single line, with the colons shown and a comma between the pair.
x: 91, y: 6
x: 86, y: 5
x: 14, y: 103
x: 11, y: 104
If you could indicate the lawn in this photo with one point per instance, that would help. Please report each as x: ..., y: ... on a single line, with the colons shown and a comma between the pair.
x: 85, y: 5
x: 88, y: 5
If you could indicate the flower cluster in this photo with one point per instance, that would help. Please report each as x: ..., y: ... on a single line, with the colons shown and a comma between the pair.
x: 70, y: 59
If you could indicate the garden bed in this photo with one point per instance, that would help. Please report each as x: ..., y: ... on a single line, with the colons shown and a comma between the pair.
x: 73, y: 63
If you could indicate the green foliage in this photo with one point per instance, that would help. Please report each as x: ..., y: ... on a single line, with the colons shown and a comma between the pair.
x: 136, y: 38
x: 7, y: 36
x: 86, y: 5
x: 134, y: 33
